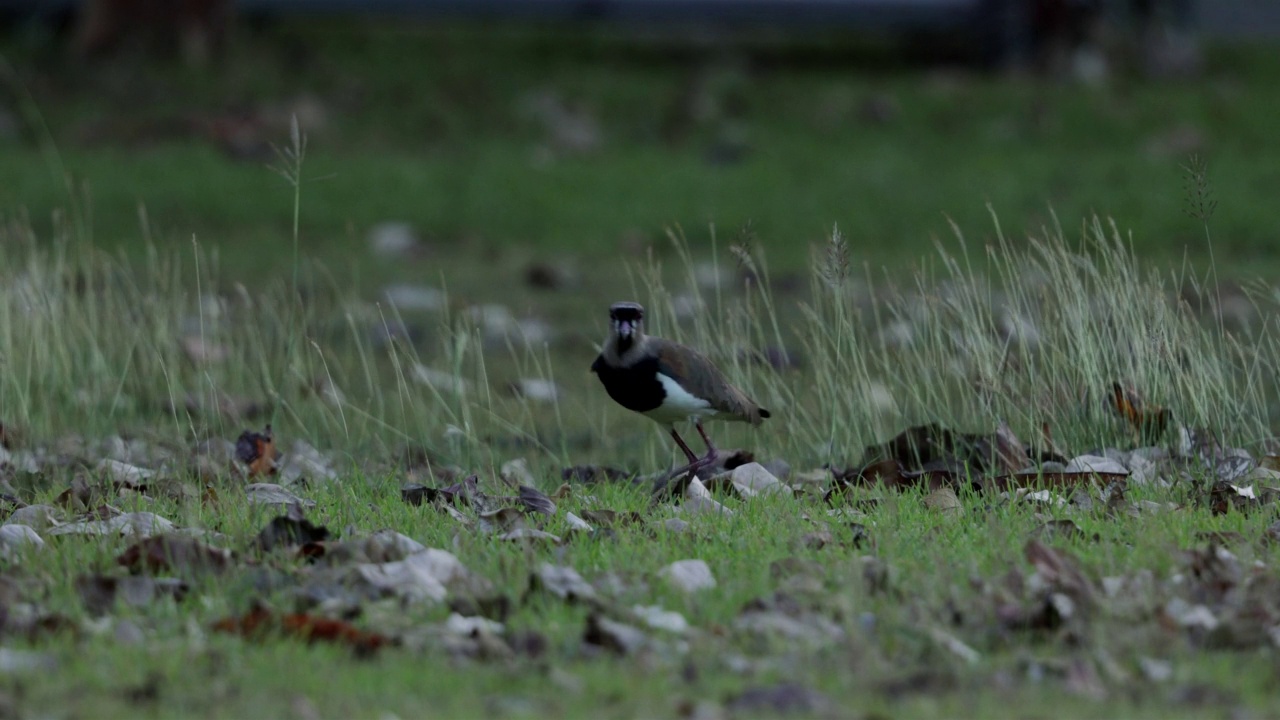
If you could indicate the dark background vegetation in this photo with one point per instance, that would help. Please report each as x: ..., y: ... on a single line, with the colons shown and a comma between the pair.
x: 503, y: 138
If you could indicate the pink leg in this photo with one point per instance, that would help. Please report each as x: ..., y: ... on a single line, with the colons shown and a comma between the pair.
x: 684, y: 446
x: 711, y: 448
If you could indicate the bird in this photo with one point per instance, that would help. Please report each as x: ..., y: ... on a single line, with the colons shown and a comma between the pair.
x: 668, y: 382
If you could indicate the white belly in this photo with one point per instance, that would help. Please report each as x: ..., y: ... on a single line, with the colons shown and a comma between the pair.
x: 679, y: 405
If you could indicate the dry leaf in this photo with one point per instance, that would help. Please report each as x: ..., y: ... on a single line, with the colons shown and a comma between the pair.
x: 141, y: 524
x: 423, y: 576
x: 535, y: 501
x: 272, y: 494
x: 256, y: 452
x: 173, y: 553
x: 561, y: 581
x: 1148, y: 422
x: 260, y: 623
x: 289, y: 530
x: 614, y: 636
x: 100, y: 593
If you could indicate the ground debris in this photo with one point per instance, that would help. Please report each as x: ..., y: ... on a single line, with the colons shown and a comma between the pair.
x: 256, y: 453
x: 781, y: 700
x: 261, y: 622
x: 100, y: 593
x: 288, y: 530
x: 688, y: 576
x: 174, y: 553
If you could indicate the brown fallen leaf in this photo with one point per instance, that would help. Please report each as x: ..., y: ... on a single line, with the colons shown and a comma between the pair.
x: 1149, y: 422
x: 1060, y: 570
x: 100, y: 593
x: 76, y: 498
x: 1053, y: 480
x: 535, y: 501
x: 174, y: 553
x: 260, y: 623
x: 289, y: 530
x: 1009, y: 455
x: 257, y: 453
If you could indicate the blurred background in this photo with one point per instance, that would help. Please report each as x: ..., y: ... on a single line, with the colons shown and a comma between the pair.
x: 558, y: 139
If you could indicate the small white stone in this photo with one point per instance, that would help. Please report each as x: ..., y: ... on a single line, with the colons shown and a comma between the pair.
x: 13, y: 538
x: 1097, y: 464
x: 414, y: 298
x: 393, y: 239
x: 752, y: 479
x: 688, y: 576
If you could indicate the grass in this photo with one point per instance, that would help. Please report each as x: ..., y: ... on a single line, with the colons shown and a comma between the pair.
x: 455, y: 149
x: 64, y: 373
x: 991, y: 324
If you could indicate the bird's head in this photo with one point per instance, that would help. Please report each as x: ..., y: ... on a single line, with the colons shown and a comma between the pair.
x: 626, y: 318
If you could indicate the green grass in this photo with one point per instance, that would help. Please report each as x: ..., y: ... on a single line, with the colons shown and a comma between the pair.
x: 94, y: 307
x: 432, y: 126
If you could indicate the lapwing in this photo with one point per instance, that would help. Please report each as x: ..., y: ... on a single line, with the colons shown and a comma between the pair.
x: 668, y: 382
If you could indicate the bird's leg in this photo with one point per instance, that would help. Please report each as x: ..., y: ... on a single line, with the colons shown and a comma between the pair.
x: 711, y: 448
x: 695, y: 463
x: 684, y: 446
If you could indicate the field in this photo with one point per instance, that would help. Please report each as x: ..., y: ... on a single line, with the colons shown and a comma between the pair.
x: 297, y: 418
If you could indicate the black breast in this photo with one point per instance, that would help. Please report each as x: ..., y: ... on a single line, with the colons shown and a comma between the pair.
x: 635, y: 387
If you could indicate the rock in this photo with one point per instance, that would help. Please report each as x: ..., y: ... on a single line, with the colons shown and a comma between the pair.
x: 123, y: 472
x: 779, y: 468
x: 414, y: 298
x: 516, y: 472
x: 710, y: 276
x: 897, y: 334
x: 272, y: 494
x: 304, y: 461
x: 536, y: 389
x: 423, y: 576
x: 879, y: 397
x: 14, y: 538
x: 1116, y: 454
x: 393, y: 240
x: 499, y: 326
x: 752, y: 479
x: 1097, y: 464
x: 1152, y: 454
x: 688, y: 576
x: 1018, y: 329
x: 660, y: 619
x: 568, y: 129
x: 1142, y: 471
x: 36, y: 517
x: 139, y: 524
x: 440, y: 380
x: 1263, y: 475
x: 675, y: 525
